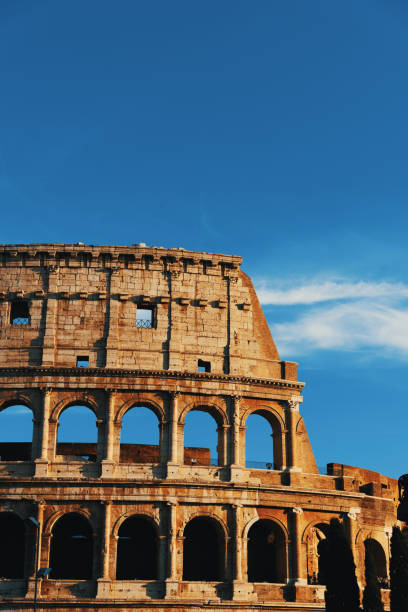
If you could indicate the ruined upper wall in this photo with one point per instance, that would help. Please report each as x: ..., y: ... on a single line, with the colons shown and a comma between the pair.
x: 83, y: 301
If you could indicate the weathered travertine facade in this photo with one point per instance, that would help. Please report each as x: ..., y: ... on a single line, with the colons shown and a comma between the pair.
x: 60, y: 303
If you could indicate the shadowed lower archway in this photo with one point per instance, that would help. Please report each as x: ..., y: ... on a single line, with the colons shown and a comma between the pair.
x: 71, y: 548
x: 137, y: 553
x: 266, y: 552
x: 203, y: 552
x: 12, y: 546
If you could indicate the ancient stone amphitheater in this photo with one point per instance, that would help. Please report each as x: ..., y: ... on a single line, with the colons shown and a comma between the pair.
x: 127, y: 527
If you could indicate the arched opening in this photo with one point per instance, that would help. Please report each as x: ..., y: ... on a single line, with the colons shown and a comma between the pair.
x: 71, y: 548
x: 380, y: 562
x: 12, y: 546
x: 77, y: 438
x: 204, y: 550
x: 202, y: 438
x: 139, y: 436
x: 137, y: 552
x: 16, y: 433
x: 262, y: 441
x: 317, y: 557
x: 266, y: 552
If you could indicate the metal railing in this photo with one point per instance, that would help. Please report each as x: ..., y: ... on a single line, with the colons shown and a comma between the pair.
x: 20, y: 321
x: 260, y: 465
x: 147, y: 323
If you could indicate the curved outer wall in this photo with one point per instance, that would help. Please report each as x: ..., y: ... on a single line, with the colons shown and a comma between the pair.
x: 83, y: 301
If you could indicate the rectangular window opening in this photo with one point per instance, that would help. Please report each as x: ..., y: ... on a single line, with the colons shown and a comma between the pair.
x: 20, y: 313
x: 82, y: 362
x: 144, y: 317
x: 204, y: 366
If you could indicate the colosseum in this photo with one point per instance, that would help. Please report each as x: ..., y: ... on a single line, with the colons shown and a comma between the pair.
x: 115, y: 526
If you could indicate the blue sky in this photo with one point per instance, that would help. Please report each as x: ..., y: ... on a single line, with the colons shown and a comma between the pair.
x: 271, y: 129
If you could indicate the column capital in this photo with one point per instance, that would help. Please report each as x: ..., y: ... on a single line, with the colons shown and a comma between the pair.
x: 388, y: 532
x: 46, y: 390
x: 294, y: 401
x: 353, y: 513
x: 297, y: 510
x: 174, y: 394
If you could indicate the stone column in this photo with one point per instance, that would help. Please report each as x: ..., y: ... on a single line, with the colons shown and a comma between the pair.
x: 31, y: 579
x: 41, y: 464
x: 237, y: 542
x: 108, y: 462
x: 172, y: 582
x: 388, y: 535
x: 352, y: 529
x: 235, y: 430
x: 103, y: 589
x: 222, y: 446
x: 298, y: 562
x: 173, y: 459
x: 163, y: 446
x: 292, y: 418
x: 241, y: 589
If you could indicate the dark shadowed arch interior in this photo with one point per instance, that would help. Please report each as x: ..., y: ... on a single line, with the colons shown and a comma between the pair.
x: 139, y: 436
x: 266, y: 552
x: 263, y: 443
x: 378, y: 555
x: 201, y: 437
x: 71, y: 548
x: 12, y: 546
x: 137, y: 553
x: 16, y: 433
x: 203, y: 553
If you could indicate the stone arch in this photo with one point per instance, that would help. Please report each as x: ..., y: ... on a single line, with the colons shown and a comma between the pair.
x: 270, y: 413
x: 375, y: 548
x: 72, y: 550
x: 11, y: 399
x: 266, y: 552
x: 314, y: 537
x: 219, y: 415
x: 276, y: 422
x: 221, y: 523
x: 142, y: 401
x: 139, y: 450
x: 17, y: 449
x: 79, y: 400
x: 148, y: 514
x: 256, y: 518
x: 137, y: 549
x: 204, y: 549
x: 55, y: 516
x: 215, y: 409
x: 85, y: 450
x: 310, y: 526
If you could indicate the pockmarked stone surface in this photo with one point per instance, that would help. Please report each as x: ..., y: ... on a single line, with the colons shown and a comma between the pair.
x: 139, y: 526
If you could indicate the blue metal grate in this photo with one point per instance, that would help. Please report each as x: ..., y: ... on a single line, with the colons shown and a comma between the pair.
x: 147, y: 323
x: 21, y: 321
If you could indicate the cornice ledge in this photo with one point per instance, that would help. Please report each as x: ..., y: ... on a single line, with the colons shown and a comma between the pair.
x: 117, y: 372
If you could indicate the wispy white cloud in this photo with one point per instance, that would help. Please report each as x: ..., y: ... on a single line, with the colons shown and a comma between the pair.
x: 361, y: 316
x: 345, y: 327
x: 327, y: 290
